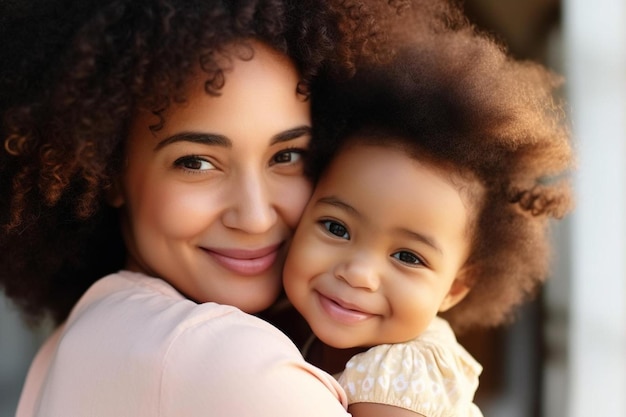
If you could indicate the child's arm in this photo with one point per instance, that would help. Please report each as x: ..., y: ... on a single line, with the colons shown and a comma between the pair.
x: 380, y: 410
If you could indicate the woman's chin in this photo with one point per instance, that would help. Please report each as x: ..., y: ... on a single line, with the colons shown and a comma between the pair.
x: 255, y: 301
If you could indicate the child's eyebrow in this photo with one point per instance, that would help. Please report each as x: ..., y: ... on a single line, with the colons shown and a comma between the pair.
x: 421, y: 237
x: 334, y: 201
x: 428, y: 240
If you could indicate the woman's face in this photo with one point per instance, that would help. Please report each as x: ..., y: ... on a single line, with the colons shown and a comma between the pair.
x: 211, y: 200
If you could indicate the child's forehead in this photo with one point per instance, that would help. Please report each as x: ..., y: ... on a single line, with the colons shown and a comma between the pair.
x: 371, y: 150
x: 367, y: 163
x: 369, y: 146
x: 415, y: 148
x: 387, y: 192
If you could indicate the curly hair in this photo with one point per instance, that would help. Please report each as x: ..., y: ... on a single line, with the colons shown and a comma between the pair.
x: 452, y: 95
x: 73, y: 75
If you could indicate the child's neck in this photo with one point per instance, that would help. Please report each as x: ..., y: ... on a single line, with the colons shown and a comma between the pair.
x: 330, y: 359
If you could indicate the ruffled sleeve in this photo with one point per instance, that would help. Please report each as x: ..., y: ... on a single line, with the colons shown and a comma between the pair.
x: 431, y: 375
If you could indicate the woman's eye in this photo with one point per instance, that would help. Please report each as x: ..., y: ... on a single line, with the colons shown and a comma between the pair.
x: 194, y: 163
x: 336, y: 229
x: 408, y: 258
x: 288, y: 156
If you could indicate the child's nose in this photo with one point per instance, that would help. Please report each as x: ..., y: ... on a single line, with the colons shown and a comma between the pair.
x: 359, y: 271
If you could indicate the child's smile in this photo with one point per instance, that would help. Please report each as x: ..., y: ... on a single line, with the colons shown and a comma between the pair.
x: 379, y: 248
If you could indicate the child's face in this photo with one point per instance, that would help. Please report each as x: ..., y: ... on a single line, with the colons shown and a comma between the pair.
x: 210, y: 201
x: 378, y: 249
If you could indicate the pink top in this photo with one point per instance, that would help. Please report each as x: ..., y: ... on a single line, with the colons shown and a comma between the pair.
x: 134, y: 346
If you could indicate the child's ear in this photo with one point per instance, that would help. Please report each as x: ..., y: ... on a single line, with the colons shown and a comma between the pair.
x: 459, y: 289
x: 114, y: 195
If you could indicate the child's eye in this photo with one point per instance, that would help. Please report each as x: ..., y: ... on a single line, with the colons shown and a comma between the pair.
x: 408, y: 258
x: 288, y: 156
x: 194, y: 163
x: 336, y: 229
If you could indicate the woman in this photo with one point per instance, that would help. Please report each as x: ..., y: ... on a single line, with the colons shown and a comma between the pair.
x: 164, y: 139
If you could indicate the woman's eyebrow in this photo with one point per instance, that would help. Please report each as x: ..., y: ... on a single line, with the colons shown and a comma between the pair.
x: 195, y: 137
x: 290, y: 134
x: 221, y: 140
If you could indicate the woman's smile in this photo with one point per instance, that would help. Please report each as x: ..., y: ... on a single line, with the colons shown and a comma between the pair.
x: 246, y: 262
x: 209, y: 201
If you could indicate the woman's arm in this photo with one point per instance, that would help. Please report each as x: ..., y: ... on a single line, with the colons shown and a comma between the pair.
x: 242, y: 366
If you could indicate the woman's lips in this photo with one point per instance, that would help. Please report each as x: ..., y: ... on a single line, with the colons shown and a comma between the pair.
x: 245, y: 262
x: 341, y: 311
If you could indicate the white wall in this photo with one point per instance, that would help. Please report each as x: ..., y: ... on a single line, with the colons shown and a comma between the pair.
x: 18, y: 345
x: 595, y: 65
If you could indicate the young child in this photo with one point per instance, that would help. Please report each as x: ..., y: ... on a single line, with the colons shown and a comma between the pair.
x: 436, y: 176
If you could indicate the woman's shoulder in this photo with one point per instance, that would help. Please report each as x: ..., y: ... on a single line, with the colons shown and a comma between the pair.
x: 151, y: 306
x: 153, y: 351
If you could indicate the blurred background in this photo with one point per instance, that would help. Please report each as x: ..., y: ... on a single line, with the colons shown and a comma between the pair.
x: 565, y: 356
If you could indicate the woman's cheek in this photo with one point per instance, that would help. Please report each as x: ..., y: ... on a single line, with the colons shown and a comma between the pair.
x: 295, y: 199
x: 185, y: 214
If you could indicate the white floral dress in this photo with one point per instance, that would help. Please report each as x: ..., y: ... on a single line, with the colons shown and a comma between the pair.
x: 432, y: 375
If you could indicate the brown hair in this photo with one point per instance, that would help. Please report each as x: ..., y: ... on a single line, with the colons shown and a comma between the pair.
x: 72, y: 76
x: 453, y: 95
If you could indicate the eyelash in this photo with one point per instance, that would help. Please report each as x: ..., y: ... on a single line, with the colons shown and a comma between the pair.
x: 180, y: 164
x: 327, y: 223
x: 419, y: 259
x: 300, y: 151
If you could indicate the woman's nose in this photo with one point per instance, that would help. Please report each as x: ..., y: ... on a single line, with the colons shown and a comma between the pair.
x: 359, y: 271
x: 250, y: 207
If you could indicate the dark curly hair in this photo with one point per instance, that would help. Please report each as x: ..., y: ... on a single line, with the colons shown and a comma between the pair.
x: 74, y: 71
x: 452, y: 95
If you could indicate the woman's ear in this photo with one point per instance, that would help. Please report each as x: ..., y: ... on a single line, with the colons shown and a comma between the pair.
x: 114, y: 195
x: 459, y: 289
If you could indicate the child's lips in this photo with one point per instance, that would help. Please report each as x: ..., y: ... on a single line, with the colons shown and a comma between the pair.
x: 245, y: 262
x: 342, y: 311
